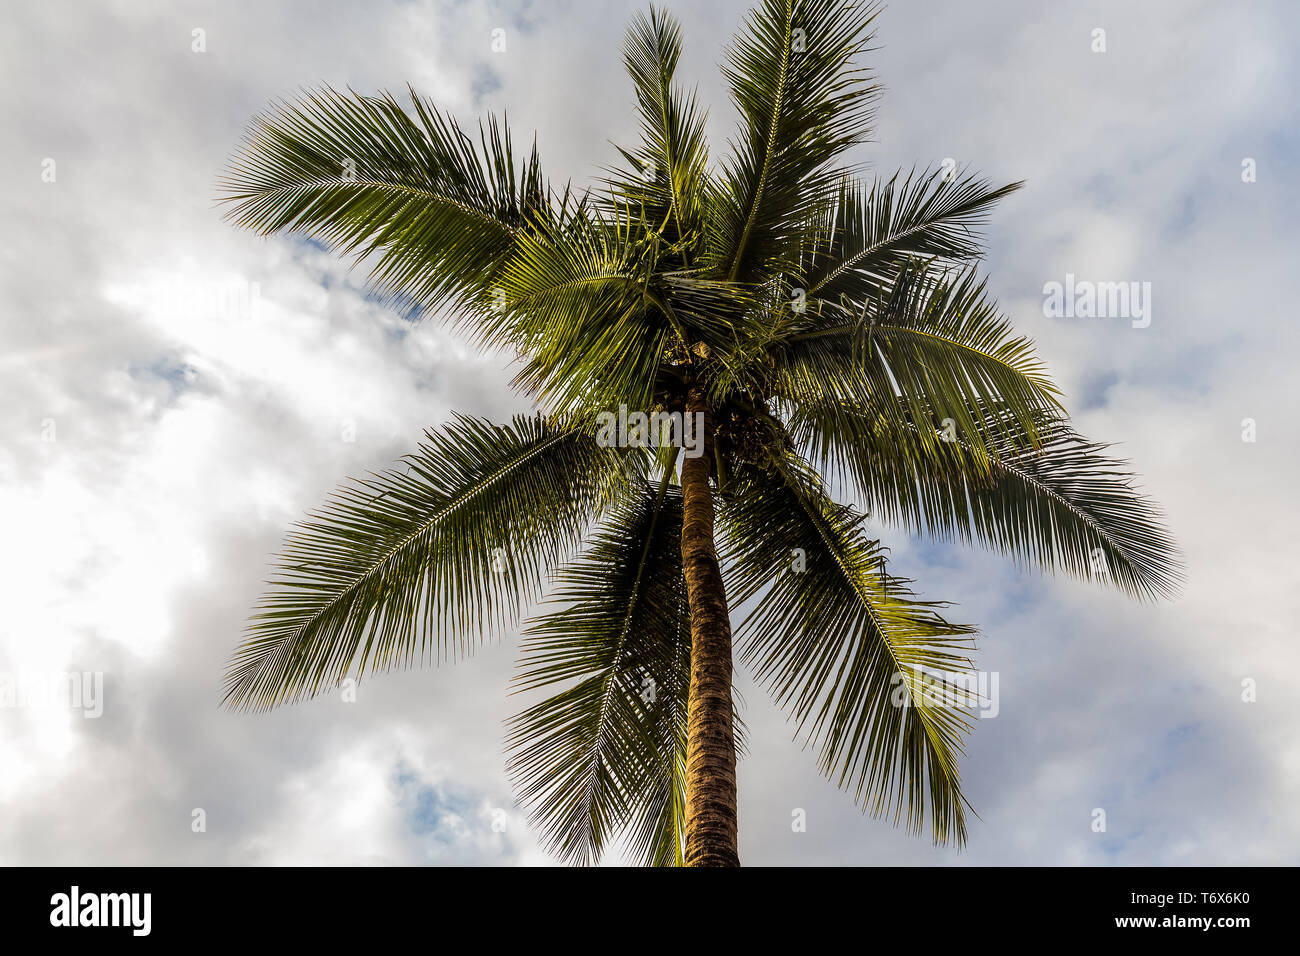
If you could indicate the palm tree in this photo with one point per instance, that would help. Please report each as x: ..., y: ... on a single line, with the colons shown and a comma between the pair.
x: 831, y: 333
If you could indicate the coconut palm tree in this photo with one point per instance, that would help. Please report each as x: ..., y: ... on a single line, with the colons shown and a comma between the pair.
x: 827, y: 329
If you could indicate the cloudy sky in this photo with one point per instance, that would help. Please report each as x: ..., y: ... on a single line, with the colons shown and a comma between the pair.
x: 156, y: 441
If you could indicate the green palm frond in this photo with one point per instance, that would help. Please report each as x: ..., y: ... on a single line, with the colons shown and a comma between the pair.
x: 933, y: 343
x: 365, y: 176
x: 720, y: 315
x: 577, y: 301
x: 871, y: 232
x: 670, y: 167
x: 607, y: 753
x: 802, y: 104
x: 1064, y: 504
x: 840, y: 642
x: 861, y: 245
x: 402, y: 566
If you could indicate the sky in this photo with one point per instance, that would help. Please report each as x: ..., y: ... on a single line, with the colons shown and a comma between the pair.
x: 174, y: 393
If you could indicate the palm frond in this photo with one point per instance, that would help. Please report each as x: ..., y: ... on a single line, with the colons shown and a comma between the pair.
x: 802, y: 104
x: 933, y: 343
x: 361, y: 174
x: 1064, y: 504
x: 576, y: 300
x: 670, y: 166
x: 607, y: 753
x: 407, y: 565
x: 841, y: 643
x: 871, y: 232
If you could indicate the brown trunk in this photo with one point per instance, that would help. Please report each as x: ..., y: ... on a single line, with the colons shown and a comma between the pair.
x: 710, y: 740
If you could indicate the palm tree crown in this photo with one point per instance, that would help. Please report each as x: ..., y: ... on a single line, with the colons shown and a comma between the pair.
x: 828, y: 328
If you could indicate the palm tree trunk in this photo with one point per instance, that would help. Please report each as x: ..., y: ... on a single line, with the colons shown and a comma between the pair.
x: 710, y: 738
